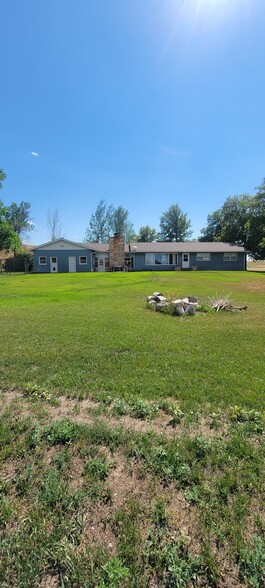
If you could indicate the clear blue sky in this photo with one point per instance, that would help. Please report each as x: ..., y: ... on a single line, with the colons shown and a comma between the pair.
x: 143, y: 103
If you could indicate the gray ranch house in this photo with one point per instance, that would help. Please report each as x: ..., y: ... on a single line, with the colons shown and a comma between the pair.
x: 63, y: 255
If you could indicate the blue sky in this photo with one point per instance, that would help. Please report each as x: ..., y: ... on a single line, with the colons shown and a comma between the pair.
x: 144, y: 103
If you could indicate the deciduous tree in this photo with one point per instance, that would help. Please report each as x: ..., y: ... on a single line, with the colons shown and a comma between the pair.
x: 174, y: 225
x: 54, y: 224
x: 107, y: 220
x: 147, y: 235
x: 229, y: 223
x: 2, y: 177
x: 121, y: 225
x: 99, y: 227
x: 8, y: 238
x: 18, y: 216
x: 256, y: 224
x: 240, y: 220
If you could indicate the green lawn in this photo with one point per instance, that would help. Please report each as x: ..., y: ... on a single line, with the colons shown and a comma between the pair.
x: 131, y: 442
x: 90, y: 333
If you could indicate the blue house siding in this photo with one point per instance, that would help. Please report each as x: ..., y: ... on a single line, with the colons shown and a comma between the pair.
x: 63, y: 261
x: 189, y: 255
x: 216, y: 263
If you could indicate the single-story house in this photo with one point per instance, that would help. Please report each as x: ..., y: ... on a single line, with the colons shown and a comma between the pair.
x: 63, y: 255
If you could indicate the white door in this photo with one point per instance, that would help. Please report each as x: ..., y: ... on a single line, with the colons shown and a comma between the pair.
x: 101, y: 264
x: 53, y: 265
x: 72, y: 263
x: 185, y: 260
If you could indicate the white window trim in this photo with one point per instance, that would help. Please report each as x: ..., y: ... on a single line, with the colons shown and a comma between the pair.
x: 83, y: 262
x: 42, y: 262
x: 205, y: 256
x: 230, y: 256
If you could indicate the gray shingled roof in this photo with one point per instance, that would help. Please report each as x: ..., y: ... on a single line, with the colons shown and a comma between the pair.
x: 160, y: 247
x: 185, y: 246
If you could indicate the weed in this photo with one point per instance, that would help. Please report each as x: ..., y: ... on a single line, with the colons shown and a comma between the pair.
x: 252, y: 563
x: 37, y: 392
x: 204, y: 307
x: 138, y: 409
x: 63, y: 431
x: 242, y: 415
x: 97, y: 469
x: 200, y: 447
x: 171, y: 560
x: 194, y: 495
x: 33, y: 436
x: 114, y: 574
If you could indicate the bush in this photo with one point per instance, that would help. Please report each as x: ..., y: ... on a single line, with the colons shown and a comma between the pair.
x: 21, y: 262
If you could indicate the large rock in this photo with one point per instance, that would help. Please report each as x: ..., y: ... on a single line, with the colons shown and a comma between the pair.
x: 191, y: 309
x: 179, y: 309
x: 185, y: 300
x: 192, y: 298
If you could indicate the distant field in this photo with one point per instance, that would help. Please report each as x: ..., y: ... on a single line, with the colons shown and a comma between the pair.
x: 257, y: 266
x: 131, y: 442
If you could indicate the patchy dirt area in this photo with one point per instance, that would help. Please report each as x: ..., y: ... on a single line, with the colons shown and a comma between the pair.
x: 105, y: 501
x: 88, y: 411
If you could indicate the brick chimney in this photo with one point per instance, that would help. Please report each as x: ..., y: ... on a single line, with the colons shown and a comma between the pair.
x: 116, y: 252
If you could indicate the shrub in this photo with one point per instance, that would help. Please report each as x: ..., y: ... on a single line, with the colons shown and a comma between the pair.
x: 63, y: 431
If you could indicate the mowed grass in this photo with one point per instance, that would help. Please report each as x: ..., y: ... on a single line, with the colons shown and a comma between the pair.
x: 131, y: 442
x: 91, y: 334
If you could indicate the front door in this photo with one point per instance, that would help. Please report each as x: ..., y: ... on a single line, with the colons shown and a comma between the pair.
x: 101, y: 264
x: 185, y: 260
x: 53, y: 265
x: 72, y: 263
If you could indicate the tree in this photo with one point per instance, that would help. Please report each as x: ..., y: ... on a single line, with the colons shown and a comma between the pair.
x: 229, y: 223
x: 8, y: 238
x: 2, y: 177
x: 99, y: 228
x: 18, y: 217
x: 147, y: 235
x: 54, y: 224
x: 121, y: 225
x: 240, y: 220
x: 107, y: 220
x: 256, y: 224
x: 174, y: 225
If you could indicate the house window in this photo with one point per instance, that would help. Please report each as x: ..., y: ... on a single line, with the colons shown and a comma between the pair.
x: 43, y: 260
x: 230, y: 257
x: 203, y: 257
x: 173, y: 258
x: 83, y: 260
x: 149, y: 259
x: 156, y: 259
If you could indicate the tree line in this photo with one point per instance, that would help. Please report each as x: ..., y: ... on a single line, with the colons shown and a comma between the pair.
x: 240, y: 220
x: 15, y: 222
x: 107, y: 220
